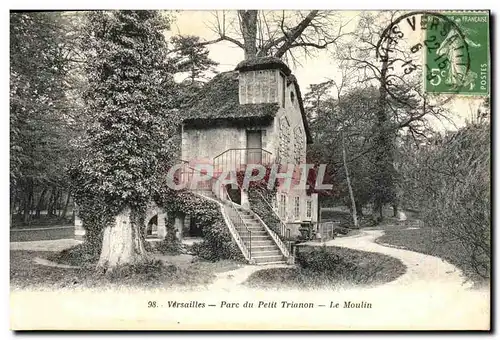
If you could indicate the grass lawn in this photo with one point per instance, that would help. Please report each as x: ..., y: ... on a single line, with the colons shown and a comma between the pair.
x: 427, y: 241
x: 41, y: 233
x: 25, y: 273
x: 330, y: 267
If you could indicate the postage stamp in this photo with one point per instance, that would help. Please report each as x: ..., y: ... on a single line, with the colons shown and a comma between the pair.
x: 454, y: 61
x: 447, y: 51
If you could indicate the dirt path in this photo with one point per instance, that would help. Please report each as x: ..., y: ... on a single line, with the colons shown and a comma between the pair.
x: 422, y: 269
x: 231, y: 280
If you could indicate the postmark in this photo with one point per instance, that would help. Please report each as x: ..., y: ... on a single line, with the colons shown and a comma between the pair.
x: 429, y: 54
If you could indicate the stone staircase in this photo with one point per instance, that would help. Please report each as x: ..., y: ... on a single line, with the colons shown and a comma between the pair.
x: 261, y: 245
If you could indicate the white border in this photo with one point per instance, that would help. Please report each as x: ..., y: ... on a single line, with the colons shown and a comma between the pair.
x: 190, y: 5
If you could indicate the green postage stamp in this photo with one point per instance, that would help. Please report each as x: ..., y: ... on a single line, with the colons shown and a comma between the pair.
x: 457, y: 54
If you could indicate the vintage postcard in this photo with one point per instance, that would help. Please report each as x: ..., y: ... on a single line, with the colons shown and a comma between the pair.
x: 250, y: 170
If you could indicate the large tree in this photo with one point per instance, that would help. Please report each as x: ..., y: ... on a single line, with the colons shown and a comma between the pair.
x: 281, y: 34
x: 343, y: 124
x: 39, y: 128
x: 402, y: 106
x: 128, y: 98
x: 192, y: 58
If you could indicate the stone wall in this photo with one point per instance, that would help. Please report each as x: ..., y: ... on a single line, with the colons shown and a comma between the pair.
x: 202, y: 145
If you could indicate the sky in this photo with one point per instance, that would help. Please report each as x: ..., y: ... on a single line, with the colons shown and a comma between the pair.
x: 311, y: 71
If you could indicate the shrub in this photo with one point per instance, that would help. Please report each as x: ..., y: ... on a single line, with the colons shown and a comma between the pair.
x: 324, y: 261
x: 170, y: 245
x: 85, y: 254
x: 449, y: 182
x: 217, y: 244
x: 152, y: 270
x: 217, y: 241
x: 348, y: 265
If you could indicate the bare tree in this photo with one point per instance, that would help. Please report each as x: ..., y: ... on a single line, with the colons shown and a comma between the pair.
x: 281, y: 34
x: 402, y: 105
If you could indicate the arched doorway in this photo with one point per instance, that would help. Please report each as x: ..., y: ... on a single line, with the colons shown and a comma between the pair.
x: 152, y: 227
x: 234, y: 194
x: 195, y: 229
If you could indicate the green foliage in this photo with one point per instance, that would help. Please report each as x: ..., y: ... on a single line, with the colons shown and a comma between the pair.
x: 152, y: 270
x: 170, y: 245
x: 448, y: 180
x: 39, y: 127
x: 128, y: 92
x: 322, y: 260
x: 261, y: 208
x: 82, y: 255
x: 192, y: 58
x: 217, y: 241
x: 353, y: 117
x: 217, y: 244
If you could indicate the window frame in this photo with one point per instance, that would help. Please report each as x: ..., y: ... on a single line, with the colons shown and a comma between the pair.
x: 296, y: 208
x: 282, y: 206
x: 309, y: 209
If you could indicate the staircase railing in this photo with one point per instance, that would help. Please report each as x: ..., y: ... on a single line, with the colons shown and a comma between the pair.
x: 239, y: 223
x: 283, y: 229
x: 236, y: 223
x: 234, y: 159
x: 187, y: 174
x: 283, y: 226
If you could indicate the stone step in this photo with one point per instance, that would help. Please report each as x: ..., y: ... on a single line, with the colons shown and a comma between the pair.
x: 253, y: 232
x: 256, y: 228
x: 249, y: 218
x: 268, y: 259
x: 258, y: 232
x: 270, y: 263
x: 244, y: 233
x: 259, y: 248
x: 263, y: 243
x: 257, y: 238
x: 263, y: 253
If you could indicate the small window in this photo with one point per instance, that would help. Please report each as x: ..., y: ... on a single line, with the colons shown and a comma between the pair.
x: 296, y: 210
x: 308, y: 209
x: 283, y: 206
x: 292, y: 97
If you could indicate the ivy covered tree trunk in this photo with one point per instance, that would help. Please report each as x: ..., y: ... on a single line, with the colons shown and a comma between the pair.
x: 129, y: 95
x: 122, y: 242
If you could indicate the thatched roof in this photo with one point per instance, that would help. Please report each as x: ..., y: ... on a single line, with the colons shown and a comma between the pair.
x: 219, y: 101
x: 263, y: 63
